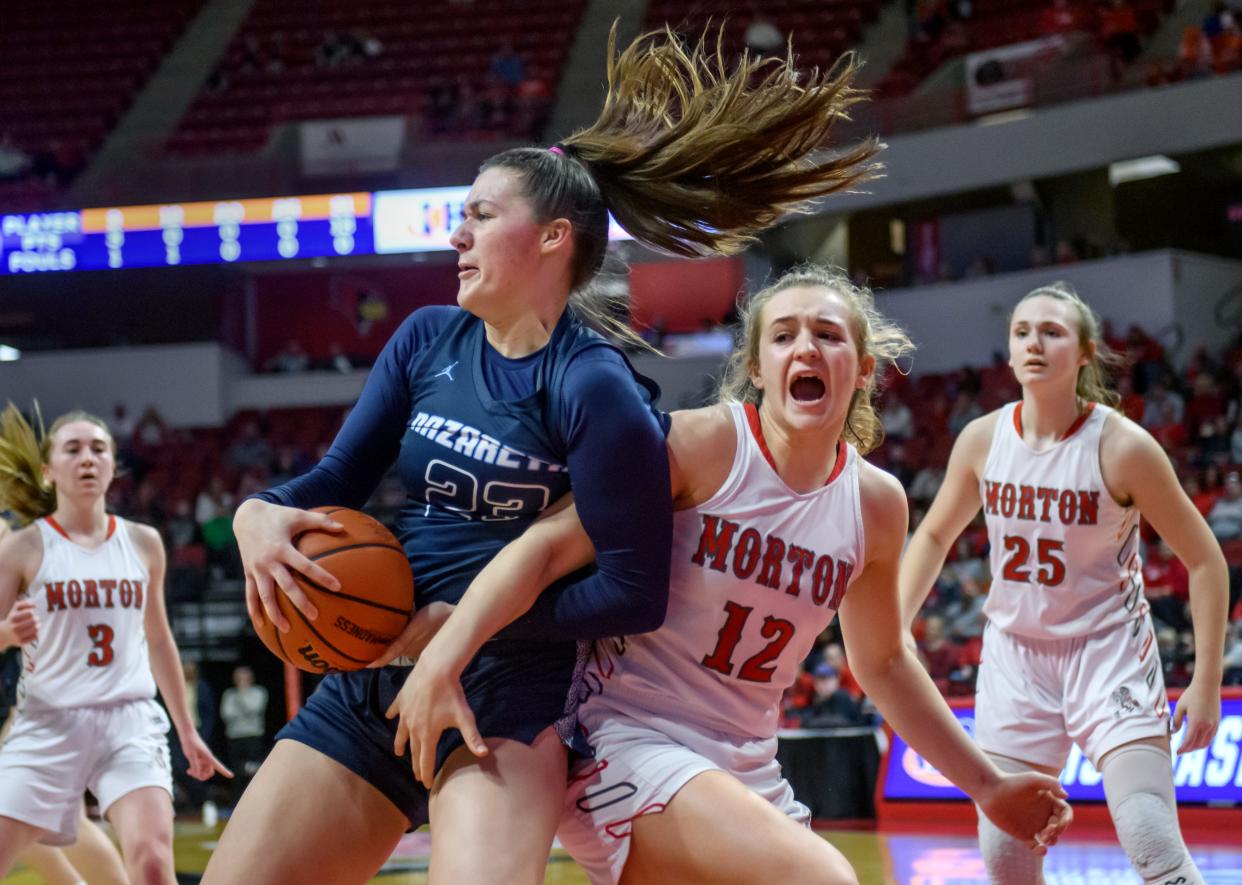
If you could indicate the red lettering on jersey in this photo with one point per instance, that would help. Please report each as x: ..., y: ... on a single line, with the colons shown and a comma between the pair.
x: 126, y: 594
x: 55, y: 596
x: 715, y: 541
x: 770, y: 574
x: 1088, y: 508
x: 1047, y: 496
x: 844, y: 570
x: 74, y: 591
x: 107, y: 585
x: 992, y: 492
x: 90, y: 593
x: 1008, y: 497
x: 1026, y: 502
x: 821, y: 580
x: 801, y: 559
x: 1068, y: 507
x: 137, y: 594
x: 746, y: 556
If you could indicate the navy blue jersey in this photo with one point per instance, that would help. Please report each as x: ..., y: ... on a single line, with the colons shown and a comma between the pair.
x: 478, y: 469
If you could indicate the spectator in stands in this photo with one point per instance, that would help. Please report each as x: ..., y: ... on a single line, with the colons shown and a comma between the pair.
x: 940, y: 656
x: 244, y: 711
x: 365, y: 45
x: 763, y: 37
x: 1163, y: 405
x: 926, y: 483
x: 1216, y: 22
x: 250, y: 449
x: 965, y: 409
x: 14, y: 162
x: 1225, y: 517
x: 1166, y: 584
x: 897, y: 417
x: 291, y: 358
x: 1059, y: 18
x: 833, y: 706
x: 213, y: 502
x: 1170, y: 433
x: 1194, y: 54
x: 443, y: 96
x: 507, y: 67
x: 834, y: 654
x: 1118, y: 30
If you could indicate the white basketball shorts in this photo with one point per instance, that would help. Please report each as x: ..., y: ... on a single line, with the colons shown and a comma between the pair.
x: 1036, y: 697
x: 52, y: 756
x: 638, y: 768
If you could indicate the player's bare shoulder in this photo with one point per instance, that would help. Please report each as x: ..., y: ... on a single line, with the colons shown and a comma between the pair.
x: 701, y: 446
x: 1128, y: 455
x: 147, y: 542
x: 885, y: 512
x: 21, y: 551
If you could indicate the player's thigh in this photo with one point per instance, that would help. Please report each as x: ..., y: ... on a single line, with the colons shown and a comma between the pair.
x: 305, y: 818
x: 509, y: 801
x: 716, y: 830
x: 143, y: 820
x: 15, y: 837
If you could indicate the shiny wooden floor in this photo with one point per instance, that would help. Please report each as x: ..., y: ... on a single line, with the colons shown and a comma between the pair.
x: 905, y: 858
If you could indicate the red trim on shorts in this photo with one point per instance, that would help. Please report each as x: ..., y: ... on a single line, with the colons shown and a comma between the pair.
x: 620, y: 829
x: 1073, y: 428
x: 1147, y: 645
x: 57, y: 527
x: 594, y: 770
x: 756, y: 429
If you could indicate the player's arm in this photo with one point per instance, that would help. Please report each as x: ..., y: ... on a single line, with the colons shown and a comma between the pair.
x: 619, y: 467
x: 21, y: 553
x: 366, y: 445
x: 1137, y: 469
x: 892, y: 677
x: 165, y: 659
x: 955, y: 506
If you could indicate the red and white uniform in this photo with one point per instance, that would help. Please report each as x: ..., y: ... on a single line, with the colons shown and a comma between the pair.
x: 92, y: 648
x: 758, y: 573
x: 1069, y: 650
x: 87, y: 716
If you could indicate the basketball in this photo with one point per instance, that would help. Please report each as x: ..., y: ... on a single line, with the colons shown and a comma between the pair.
x: 357, y: 623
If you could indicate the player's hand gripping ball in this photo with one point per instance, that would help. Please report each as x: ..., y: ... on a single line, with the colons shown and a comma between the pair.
x: 357, y: 623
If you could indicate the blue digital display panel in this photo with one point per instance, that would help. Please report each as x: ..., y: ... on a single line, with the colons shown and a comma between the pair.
x: 227, y: 231
x: 1211, y: 775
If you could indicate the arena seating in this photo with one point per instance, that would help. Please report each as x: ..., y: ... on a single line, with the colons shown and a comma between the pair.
x: 273, y: 71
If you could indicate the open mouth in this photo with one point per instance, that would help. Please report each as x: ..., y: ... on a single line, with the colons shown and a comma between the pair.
x: 807, y: 389
x: 466, y: 270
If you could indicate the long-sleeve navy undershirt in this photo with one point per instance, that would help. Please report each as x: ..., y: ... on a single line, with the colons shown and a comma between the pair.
x: 616, y: 460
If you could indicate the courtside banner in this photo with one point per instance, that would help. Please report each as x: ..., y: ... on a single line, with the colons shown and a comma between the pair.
x: 1211, y: 776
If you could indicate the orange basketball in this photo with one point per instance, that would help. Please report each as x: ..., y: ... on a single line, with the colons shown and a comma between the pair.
x: 361, y: 620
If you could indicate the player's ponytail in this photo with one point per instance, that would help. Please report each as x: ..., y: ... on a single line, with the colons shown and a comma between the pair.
x: 23, y: 491
x: 23, y: 452
x: 875, y: 335
x: 692, y: 157
x: 1094, y: 378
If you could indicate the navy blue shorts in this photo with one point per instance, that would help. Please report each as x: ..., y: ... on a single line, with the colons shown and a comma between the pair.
x: 516, y: 690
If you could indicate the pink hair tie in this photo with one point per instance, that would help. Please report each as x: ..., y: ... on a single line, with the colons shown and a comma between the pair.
x: 557, y: 149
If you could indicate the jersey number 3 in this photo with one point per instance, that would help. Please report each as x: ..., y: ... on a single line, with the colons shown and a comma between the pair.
x: 758, y: 667
x: 1048, y: 554
x: 101, y: 655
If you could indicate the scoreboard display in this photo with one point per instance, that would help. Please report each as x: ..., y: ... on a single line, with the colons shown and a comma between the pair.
x: 228, y: 231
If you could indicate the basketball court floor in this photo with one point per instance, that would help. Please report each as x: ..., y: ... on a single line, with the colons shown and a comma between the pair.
x: 892, y: 858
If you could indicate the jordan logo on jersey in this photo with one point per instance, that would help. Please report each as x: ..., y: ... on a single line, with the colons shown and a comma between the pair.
x: 1040, y: 503
x: 764, y: 558
x: 447, y: 371
x: 87, y: 593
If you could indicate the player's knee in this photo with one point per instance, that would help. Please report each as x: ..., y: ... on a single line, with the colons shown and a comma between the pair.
x: 1147, y: 829
x: 1005, y: 858
x: 822, y: 866
x: 150, y: 860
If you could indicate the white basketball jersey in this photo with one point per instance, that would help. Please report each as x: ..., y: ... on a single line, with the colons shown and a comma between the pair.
x: 92, y: 648
x: 1065, y: 555
x: 758, y: 572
